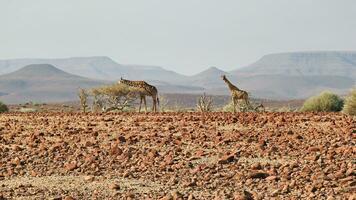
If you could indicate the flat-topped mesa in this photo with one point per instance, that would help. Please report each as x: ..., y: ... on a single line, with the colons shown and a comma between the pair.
x: 146, y: 90
x: 309, y: 63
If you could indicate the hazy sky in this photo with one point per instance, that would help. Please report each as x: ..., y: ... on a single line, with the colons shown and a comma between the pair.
x: 182, y: 35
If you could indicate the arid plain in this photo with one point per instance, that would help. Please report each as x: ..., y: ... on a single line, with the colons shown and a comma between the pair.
x: 177, y: 155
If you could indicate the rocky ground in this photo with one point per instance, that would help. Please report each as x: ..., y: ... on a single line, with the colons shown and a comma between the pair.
x: 177, y: 156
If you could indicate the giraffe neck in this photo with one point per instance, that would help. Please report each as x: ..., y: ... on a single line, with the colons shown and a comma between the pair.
x: 231, y: 86
x: 138, y: 84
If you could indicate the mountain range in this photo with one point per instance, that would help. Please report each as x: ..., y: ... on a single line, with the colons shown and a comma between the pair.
x: 294, y: 75
x: 96, y: 67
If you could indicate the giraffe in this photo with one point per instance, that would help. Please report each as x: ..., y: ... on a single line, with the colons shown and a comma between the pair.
x: 236, y: 93
x: 147, y: 90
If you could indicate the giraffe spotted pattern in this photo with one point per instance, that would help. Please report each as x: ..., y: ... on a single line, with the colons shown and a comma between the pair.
x: 146, y: 90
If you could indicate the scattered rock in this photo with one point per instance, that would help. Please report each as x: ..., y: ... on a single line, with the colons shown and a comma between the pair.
x: 70, y: 166
x: 299, y: 137
x: 245, y: 195
x: 256, y: 166
x: 33, y: 173
x: 350, y: 172
x: 115, y: 186
x: 272, y: 178
x: 89, y: 178
x: 291, y: 158
x: 275, y: 193
x: 258, y: 175
x: 310, y: 188
x: 69, y: 198
x: 115, y: 150
x: 315, y: 148
x: 16, y: 161
x: 176, y: 195
x: 122, y: 139
x: 226, y: 159
x: 167, y: 197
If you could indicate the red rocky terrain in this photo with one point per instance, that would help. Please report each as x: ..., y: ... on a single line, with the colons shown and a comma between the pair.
x: 177, y: 156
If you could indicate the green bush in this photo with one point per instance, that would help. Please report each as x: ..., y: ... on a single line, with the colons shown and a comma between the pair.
x: 3, y: 108
x: 350, y: 103
x: 325, y: 102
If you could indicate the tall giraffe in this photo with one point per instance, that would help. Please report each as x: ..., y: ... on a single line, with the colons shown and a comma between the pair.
x: 146, y: 90
x: 236, y: 93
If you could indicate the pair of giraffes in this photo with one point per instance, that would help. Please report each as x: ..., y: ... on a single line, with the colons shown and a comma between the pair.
x: 150, y: 90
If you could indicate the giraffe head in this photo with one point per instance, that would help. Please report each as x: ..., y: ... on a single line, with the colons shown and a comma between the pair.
x: 223, y: 77
x: 121, y: 81
x: 129, y: 82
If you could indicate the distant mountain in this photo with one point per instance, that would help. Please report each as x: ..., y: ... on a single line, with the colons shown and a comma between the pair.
x: 42, y: 83
x: 208, y: 73
x: 40, y: 71
x: 210, y: 78
x: 319, y: 63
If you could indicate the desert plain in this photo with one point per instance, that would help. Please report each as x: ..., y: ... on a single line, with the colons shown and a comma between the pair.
x: 186, y: 155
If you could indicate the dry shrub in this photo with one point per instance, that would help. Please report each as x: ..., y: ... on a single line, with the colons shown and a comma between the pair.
x: 114, y: 97
x: 350, y: 103
x: 325, y: 102
x: 205, y: 103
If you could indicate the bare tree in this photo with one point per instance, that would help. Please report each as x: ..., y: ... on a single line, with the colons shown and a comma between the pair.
x: 205, y: 103
x: 83, y: 99
x: 98, y: 102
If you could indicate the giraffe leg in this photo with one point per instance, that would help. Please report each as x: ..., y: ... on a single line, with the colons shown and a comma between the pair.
x: 155, y: 102
x: 144, y: 101
x: 247, y: 101
x: 139, y: 108
x: 234, y: 104
x: 153, y: 105
x: 238, y: 104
